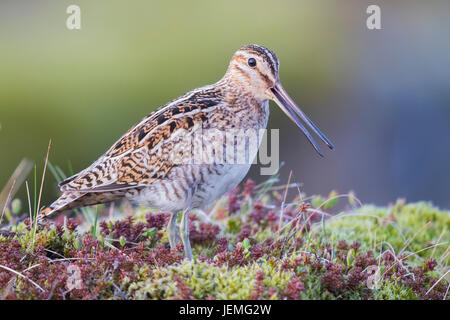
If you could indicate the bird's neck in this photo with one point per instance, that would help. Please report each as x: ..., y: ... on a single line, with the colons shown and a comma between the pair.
x: 247, y: 109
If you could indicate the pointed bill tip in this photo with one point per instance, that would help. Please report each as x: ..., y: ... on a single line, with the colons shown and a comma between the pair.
x: 295, y: 114
x: 330, y: 145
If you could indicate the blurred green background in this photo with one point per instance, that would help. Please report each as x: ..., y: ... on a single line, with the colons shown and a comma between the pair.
x: 382, y: 96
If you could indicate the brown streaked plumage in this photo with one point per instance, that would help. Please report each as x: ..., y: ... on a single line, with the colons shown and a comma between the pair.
x: 143, y: 165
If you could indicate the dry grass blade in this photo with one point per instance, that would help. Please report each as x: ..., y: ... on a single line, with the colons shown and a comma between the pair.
x: 444, y: 255
x: 15, y: 181
x: 40, y: 191
x: 21, y: 275
x: 409, y: 255
x: 7, y: 202
x: 437, y: 241
x: 339, y: 196
x: 283, y: 187
x: 446, y: 292
x: 280, y: 222
x: 415, y: 235
x: 439, y: 280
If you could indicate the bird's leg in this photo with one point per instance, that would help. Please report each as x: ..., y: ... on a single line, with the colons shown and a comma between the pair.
x: 184, y: 228
x: 172, y: 232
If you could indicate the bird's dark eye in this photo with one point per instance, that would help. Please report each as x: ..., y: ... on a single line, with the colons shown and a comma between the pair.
x: 252, y: 62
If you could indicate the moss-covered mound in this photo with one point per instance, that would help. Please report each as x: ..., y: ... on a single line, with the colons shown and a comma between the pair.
x: 251, y: 245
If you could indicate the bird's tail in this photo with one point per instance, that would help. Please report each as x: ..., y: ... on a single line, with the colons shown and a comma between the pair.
x: 72, y: 200
x: 65, y: 202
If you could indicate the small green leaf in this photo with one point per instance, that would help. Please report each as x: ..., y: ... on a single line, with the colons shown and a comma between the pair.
x: 16, y: 206
x: 122, y: 241
x: 233, y: 226
x: 246, y: 244
x: 77, y: 244
x: 150, y: 233
x: 350, y: 256
x: 352, y: 198
x: 331, y: 203
x: 101, y: 240
x: 317, y: 201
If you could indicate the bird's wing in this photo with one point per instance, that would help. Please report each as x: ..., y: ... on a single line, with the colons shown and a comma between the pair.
x: 145, y: 153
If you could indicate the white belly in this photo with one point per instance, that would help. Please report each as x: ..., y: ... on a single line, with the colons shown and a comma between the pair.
x: 216, y: 185
x: 179, y: 193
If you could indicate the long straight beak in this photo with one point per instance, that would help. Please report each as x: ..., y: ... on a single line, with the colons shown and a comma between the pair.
x: 294, y: 113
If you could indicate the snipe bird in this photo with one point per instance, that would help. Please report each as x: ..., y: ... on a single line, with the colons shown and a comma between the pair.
x: 138, y: 166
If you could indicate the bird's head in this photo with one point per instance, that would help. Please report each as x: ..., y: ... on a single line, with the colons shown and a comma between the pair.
x: 255, y: 68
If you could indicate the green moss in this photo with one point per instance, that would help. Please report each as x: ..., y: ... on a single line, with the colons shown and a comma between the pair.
x: 393, y: 290
x: 207, y: 280
x: 407, y: 228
